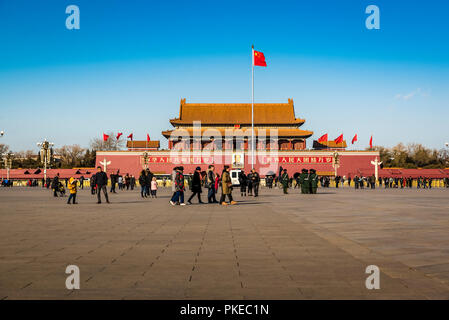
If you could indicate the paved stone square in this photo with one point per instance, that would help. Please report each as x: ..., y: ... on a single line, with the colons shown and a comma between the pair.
x: 272, y: 247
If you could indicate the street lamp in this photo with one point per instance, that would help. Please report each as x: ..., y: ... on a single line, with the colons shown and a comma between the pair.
x: 46, y: 154
x: 8, y: 163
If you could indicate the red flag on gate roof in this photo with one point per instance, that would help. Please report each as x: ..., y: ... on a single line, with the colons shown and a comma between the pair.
x: 371, y: 142
x: 259, y: 59
x: 354, y: 139
x: 118, y: 135
x: 148, y: 137
x: 339, y: 139
x: 130, y: 136
x: 105, y: 137
x: 323, y: 138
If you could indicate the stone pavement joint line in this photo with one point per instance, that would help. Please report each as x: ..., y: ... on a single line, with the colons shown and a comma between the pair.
x: 272, y: 247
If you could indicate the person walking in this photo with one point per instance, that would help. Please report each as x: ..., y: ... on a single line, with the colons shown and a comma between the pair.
x: 313, y: 181
x: 120, y: 182
x: 255, y: 180
x: 154, y: 188
x: 173, y: 185
x: 127, y: 181
x: 133, y: 182
x: 180, y: 187
x: 226, y: 187
x: 284, y: 181
x: 101, y: 179
x: 72, y: 189
x: 210, y: 184
x: 243, y: 182
x: 81, y: 182
x: 142, y: 179
x: 196, y: 185
x: 55, y: 185
x: 114, y: 178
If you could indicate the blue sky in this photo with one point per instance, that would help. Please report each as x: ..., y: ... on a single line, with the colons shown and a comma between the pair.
x: 131, y: 62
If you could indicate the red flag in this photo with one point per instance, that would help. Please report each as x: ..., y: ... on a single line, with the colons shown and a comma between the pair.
x: 323, y: 138
x: 339, y: 139
x: 259, y: 59
x: 354, y: 139
x: 148, y: 137
x: 105, y: 137
x: 130, y: 136
x: 371, y: 142
x: 118, y: 135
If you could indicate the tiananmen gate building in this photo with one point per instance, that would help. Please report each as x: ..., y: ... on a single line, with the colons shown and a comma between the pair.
x: 220, y: 134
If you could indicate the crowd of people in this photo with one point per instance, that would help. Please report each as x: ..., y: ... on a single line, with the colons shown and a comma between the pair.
x: 248, y: 184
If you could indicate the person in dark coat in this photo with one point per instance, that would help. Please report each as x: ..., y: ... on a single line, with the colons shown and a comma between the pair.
x: 243, y: 182
x: 142, y: 179
x: 93, y: 184
x: 210, y: 184
x: 114, y: 178
x: 55, y: 185
x: 101, y: 179
x: 196, y: 185
x: 148, y: 178
x: 255, y: 180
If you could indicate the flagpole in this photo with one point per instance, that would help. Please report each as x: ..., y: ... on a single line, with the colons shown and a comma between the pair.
x: 252, y: 107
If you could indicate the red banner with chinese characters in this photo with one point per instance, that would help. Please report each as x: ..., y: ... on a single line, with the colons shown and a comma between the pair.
x: 261, y: 159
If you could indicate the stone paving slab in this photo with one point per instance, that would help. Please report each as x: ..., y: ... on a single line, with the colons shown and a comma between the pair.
x: 272, y: 247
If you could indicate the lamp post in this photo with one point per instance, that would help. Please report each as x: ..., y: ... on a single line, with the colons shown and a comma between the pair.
x: 8, y: 163
x: 336, y: 162
x: 145, y: 159
x: 46, y: 154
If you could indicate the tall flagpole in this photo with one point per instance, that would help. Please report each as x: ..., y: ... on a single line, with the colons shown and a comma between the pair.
x: 252, y: 108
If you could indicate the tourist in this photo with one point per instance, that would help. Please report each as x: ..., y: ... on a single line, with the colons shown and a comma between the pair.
x: 337, y: 181
x: 210, y: 184
x: 217, y: 183
x: 180, y: 187
x: 55, y: 185
x: 114, y: 178
x: 101, y: 179
x: 154, y: 188
x: 349, y: 180
x: 92, y: 184
x: 148, y: 178
x: 81, y: 182
x: 120, y: 182
x: 243, y: 182
x: 356, y: 182
x: 173, y: 185
x: 255, y: 181
x: 226, y: 187
x: 132, y: 182
x: 127, y: 181
x: 72, y: 189
x: 142, y: 179
x: 249, y: 182
x: 196, y: 185
x: 284, y: 181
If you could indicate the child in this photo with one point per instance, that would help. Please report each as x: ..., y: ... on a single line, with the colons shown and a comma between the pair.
x: 153, y: 187
x: 72, y: 188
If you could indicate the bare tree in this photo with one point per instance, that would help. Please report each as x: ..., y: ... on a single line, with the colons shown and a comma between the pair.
x: 112, y: 144
x: 3, y: 150
x: 70, y: 156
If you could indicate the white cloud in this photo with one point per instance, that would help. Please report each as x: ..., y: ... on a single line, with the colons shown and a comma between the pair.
x: 410, y: 95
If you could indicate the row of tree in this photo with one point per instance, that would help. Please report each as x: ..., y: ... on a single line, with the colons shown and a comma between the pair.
x: 413, y: 156
x: 68, y: 156
x: 400, y: 156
